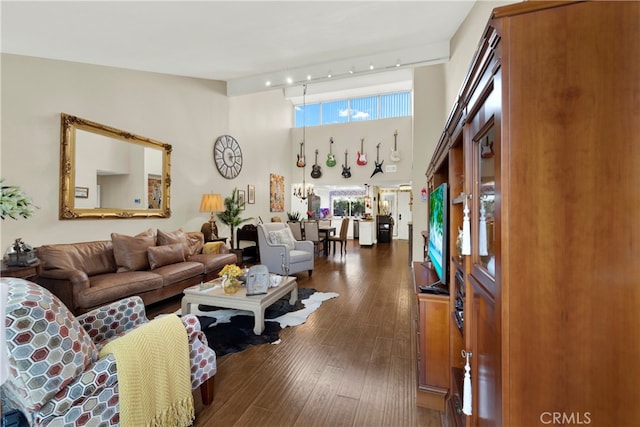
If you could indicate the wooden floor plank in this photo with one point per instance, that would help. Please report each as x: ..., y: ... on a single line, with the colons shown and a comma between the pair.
x: 353, y: 363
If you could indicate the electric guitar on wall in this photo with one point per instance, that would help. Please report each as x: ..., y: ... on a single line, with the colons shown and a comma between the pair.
x: 301, y: 163
x: 316, y: 172
x: 486, y: 148
x: 379, y: 163
x: 395, y: 154
x: 331, y: 159
x: 362, y: 157
x: 346, y: 170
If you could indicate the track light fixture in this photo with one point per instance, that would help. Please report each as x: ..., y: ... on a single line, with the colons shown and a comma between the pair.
x: 351, y: 71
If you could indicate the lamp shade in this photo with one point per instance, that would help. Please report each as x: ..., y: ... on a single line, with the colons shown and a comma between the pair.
x: 211, y: 203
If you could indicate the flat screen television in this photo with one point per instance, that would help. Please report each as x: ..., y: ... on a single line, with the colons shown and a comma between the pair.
x: 438, y: 232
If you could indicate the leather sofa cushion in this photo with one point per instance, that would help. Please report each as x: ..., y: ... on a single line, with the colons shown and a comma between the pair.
x: 130, y: 252
x: 164, y: 255
x: 213, y: 262
x: 107, y: 288
x: 174, y: 273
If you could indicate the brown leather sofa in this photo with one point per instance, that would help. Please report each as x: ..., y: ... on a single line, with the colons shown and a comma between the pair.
x: 154, y: 266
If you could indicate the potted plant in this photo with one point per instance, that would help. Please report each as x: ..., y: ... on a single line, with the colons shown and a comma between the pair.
x: 231, y: 215
x: 293, y: 216
x: 14, y: 203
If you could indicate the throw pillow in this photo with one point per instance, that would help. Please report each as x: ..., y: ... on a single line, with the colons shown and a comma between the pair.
x: 130, y: 252
x: 282, y: 237
x: 171, y: 237
x: 212, y: 247
x: 165, y: 255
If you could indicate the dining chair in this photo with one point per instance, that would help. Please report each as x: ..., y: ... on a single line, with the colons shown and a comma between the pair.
x: 296, y: 229
x: 342, y: 237
x: 312, y: 234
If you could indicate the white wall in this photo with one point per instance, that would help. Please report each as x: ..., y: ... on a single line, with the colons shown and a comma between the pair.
x: 261, y: 124
x: 184, y: 112
x: 347, y: 136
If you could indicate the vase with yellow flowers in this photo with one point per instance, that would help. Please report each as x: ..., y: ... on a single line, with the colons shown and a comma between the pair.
x: 230, y: 282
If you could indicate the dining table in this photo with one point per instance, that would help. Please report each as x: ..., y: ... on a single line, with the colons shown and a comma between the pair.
x: 326, y: 231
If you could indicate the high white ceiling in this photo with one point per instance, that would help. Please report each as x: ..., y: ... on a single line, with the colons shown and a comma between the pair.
x: 244, y: 43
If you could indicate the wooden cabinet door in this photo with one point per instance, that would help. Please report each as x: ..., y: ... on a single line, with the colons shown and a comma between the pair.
x: 485, y: 359
x: 433, y: 347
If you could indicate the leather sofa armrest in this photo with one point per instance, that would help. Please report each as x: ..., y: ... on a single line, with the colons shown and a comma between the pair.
x: 74, y: 276
x: 65, y: 284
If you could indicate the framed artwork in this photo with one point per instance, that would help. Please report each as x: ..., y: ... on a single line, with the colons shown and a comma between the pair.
x: 82, y: 192
x: 242, y: 199
x: 251, y: 194
x: 154, y: 191
x: 276, y: 193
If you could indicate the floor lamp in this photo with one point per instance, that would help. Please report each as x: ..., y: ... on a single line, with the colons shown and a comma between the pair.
x: 211, y: 203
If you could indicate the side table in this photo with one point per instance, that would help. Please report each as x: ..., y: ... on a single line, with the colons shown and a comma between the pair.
x: 30, y: 272
x: 238, y: 253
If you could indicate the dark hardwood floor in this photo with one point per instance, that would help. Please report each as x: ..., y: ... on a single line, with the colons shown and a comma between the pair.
x: 353, y: 363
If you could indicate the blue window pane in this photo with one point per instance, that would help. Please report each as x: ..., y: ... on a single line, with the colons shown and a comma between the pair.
x: 395, y: 105
x: 364, y: 108
x: 335, y: 112
x: 312, y: 115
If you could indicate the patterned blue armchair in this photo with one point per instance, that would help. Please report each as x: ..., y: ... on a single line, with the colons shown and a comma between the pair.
x: 56, y: 377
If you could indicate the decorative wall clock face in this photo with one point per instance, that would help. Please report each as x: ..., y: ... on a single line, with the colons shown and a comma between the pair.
x: 227, y: 156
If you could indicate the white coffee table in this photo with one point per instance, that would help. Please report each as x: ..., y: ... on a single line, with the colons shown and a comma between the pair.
x: 257, y: 304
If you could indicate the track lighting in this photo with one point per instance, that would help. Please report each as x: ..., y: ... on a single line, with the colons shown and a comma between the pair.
x: 351, y: 71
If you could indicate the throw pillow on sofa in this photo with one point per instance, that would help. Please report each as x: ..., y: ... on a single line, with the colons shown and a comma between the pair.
x: 164, y: 255
x: 130, y: 252
x: 193, y: 242
x: 283, y: 237
x: 172, y: 237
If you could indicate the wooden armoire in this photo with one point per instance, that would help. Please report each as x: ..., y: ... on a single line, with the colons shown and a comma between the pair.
x: 543, y: 147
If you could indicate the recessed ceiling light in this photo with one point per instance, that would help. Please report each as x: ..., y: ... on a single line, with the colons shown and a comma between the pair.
x: 371, y: 66
x: 268, y: 83
x: 289, y: 80
x: 352, y: 70
x: 308, y: 76
x: 329, y: 74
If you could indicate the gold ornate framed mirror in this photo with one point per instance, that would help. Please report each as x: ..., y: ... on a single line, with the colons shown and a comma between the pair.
x: 109, y: 173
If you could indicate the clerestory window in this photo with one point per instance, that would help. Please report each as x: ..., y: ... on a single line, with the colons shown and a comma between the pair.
x: 374, y: 107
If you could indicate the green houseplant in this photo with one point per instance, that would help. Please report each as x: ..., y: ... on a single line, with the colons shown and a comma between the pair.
x: 293, y: 216
x: 231, y: 215
x: 14, y: 203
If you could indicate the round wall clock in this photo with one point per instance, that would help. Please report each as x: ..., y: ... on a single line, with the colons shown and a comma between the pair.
x: 227, y: 156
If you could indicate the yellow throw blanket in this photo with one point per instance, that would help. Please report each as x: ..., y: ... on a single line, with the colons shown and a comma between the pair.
x: 154, y: 374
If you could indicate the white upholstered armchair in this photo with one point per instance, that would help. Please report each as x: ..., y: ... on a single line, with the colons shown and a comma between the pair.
x: 279, y: 249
